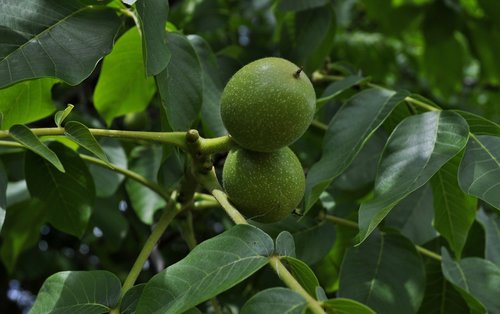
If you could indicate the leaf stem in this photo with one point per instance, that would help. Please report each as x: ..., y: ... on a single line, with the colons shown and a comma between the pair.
x: 319, y: 125
x: 210, y: 182
x: 354, y: 225
x: 175, y: 138
x: 171, y: 210
x: 216, y: 145
x: 292, y: 283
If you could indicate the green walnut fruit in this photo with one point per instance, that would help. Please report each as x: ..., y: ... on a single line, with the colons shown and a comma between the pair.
x: 265, y: 187
x: 268, y: 104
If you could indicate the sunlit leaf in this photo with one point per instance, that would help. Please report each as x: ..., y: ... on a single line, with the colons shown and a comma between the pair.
x: 123, y: 86
x: 26, y: 101
x: 415, y: 151
x: 63, y: 114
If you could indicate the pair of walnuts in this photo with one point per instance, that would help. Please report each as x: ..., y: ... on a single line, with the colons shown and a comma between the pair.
x: 266, y: 106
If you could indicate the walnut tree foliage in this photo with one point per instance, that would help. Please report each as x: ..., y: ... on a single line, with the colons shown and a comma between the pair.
x: 111, y: 143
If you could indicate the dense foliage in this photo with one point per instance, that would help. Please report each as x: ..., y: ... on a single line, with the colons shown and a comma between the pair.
x: 111, y: 143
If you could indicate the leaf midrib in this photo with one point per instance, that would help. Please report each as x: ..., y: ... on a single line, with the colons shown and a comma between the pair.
x: 36, y: 36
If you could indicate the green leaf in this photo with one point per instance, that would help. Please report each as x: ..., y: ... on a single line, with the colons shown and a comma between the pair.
x: 305, y: 232
x: 491, y: 225
x: 181, y: 84
x: 212, y: 86
x: 480, y: 125
x: 23, y: 135
x: 63, y: 114
x: 415, y: 151
x: 96, y: 291
x: 152, y: 20
x: 476, y: 278
x: 21, y: 230
x: 299, y: 5
x: 275, y: 301
x: 454, y: 211
x: 3, y: 193
x: 309, y: 38
x: 440, y: 296
x: 346, y: 306
x: 69, y: 196
x: 122, y: 86
x: 413, y: 216
x: 480, y: 169
x: 26, y: 102
x: 302, y: 273
x: 212, y: 267
x: 369, y: 274
x: 81, y: 135
x: 63, y: 40
x: 336, y: 88
x: 285, y: 245
x: 106, y: 180
x: 128, y: 304
x: 347, y: 133
x: 146, y: 162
